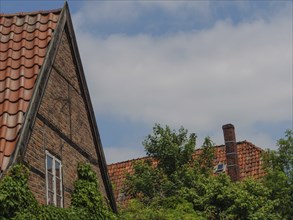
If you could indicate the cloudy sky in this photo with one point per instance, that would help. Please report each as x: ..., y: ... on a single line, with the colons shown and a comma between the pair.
x: 199, y: 64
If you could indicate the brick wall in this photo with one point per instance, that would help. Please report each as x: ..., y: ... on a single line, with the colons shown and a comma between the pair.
x: 62, y: 128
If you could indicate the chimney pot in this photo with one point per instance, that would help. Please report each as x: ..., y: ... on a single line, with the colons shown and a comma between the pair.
x: 228, y: 126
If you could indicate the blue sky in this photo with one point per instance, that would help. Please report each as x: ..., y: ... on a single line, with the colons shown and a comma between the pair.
x: 199, y: 64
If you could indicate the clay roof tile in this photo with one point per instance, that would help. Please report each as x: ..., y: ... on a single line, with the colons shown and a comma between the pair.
x: 24, y: 38
x: 249, y: 164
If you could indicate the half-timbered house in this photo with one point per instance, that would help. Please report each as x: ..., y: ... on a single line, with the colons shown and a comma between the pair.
x: 46, y: 116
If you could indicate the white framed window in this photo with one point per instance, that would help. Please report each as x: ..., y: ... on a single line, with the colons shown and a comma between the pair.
x: 220, y: 168
x: 54, y: 181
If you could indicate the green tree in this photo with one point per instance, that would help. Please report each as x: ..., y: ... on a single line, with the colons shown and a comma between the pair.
x: 87, y: 196
x: 172, y: 152
x: 204, y: 162
x: 15, y: 195
x: 279, y: 167
x: 184, y: 183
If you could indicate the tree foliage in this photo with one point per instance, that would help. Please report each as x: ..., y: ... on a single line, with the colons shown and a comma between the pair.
x: 87, y: 195
x: 174, y: 210
x: 186, y: 185
x: 172, y: 150
x: 15, y: 195
x: 279, y: 178
x: 173, y: 153
x: 18, y: 202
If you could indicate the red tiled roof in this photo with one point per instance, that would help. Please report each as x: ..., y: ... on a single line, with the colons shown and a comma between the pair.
x: 249, y: 159
x: 24, y: 38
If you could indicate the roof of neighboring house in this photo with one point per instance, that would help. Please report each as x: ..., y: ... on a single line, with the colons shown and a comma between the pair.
x: 28, y: 47
x: 249, y: 159
x: 24, y: 38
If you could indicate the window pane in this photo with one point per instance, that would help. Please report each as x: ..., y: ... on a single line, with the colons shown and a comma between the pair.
x: 220, y: 166
x: 54, y: 181
x: 57, y: 168
x: 59, y: 201
x: 58, y: 186
x: 50, y: 198
x: 50, y: 181
x: 49, y: 164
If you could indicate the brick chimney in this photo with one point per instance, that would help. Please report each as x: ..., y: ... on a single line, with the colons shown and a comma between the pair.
x: 231, y: 151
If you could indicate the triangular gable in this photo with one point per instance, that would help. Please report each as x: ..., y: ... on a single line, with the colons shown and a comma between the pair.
x: 64, y: 27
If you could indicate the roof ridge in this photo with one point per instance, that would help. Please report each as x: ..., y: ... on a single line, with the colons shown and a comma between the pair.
x: 216, y: 146
x: 251, y: 144
x: 130, y: 160
x: 145, y: 157
x: 31, y: 13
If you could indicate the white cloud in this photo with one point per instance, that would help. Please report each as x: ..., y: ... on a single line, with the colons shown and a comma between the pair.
x: 193, y: 77
x: 199, y: 79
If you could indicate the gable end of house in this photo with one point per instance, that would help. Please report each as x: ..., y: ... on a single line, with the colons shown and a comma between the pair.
x: 48, y: 136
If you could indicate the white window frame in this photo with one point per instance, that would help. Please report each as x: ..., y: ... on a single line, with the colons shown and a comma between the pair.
x: 217, y: 170
x: 54, y: 160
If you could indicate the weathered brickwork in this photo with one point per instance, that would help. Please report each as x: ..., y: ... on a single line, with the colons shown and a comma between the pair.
x: 35, y: 153
x: 64, y: 61
x: 38, y: 186
x: 62, y: 127
x: 80, y: 127
x: 55, y: 104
